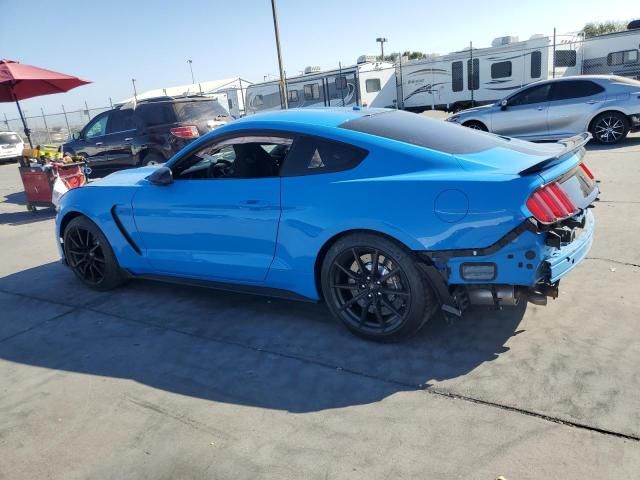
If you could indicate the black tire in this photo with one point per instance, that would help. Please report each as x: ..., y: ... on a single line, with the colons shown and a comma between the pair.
x: 152, y: 158
x: 475, y: 125
x: 609, y: 128
x: 90, y: 256
x: 382, y: 305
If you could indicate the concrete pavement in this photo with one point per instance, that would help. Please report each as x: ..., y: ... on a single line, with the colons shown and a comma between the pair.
x: 160, y: 381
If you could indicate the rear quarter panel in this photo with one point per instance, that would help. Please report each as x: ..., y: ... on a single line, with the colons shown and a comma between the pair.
x: 421, y: 198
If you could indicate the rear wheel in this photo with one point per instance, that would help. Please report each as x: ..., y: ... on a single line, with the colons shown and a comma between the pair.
x: 152, y: 158
x: 375, y: 288
x: 90, y: 256
x: 609, y: 127
x: 474, y: 124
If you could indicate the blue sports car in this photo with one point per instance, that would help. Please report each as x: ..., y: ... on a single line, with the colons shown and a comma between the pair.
x: 387, y: 216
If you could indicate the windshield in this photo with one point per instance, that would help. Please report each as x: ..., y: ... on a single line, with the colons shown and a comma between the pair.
x: 9, y: 139
x: 201, y: 109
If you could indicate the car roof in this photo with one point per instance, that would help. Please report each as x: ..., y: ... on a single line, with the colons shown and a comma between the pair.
x: 325, y: 117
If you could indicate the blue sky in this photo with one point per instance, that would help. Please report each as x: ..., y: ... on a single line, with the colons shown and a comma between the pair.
x: 109, y: 42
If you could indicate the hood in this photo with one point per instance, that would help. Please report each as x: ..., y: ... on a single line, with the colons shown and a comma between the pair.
x: 510, y: 156
x: 474, y: 109
x: 125, y: 178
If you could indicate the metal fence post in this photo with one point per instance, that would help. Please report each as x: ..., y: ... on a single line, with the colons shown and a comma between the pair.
x: 110, y: 103
x: 87, y: 109
x: 46, y: 127
x: 6, y: 121
x: 66, y: 120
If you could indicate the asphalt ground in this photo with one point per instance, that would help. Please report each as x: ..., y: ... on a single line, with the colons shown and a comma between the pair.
x: 159, y: 381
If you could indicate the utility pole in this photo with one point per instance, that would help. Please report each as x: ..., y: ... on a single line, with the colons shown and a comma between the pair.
x: 381, y: 40
x: 135, y: 94
x: 283, y: 86
x: 472, y: 82
x: 190, y: 62
x: 554, y: 53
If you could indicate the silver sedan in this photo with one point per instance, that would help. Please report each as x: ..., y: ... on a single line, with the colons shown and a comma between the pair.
x: 607, y: 106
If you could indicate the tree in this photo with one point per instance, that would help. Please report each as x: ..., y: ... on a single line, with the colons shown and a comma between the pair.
x: 593, y: 29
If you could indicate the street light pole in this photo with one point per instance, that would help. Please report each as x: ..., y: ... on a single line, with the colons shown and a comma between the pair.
x: 193, y: 80
x: 283, y: 85
x: 135, y: 94
x: 381, y: 40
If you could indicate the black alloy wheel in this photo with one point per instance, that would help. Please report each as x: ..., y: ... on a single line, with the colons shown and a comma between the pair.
x: 375, y: 289
x: 85, y: 255
x: 90, y: 256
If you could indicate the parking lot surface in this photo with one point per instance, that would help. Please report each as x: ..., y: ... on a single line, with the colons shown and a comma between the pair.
x: 161, y: 381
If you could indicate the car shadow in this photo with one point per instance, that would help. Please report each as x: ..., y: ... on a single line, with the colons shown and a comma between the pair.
x: 26, y: 217
x: 229, y: 347
x: 631, y: 141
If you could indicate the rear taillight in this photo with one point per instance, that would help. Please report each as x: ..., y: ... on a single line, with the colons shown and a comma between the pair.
x: 189, y: 131
x: 586, y: 171
x: 550, y: 204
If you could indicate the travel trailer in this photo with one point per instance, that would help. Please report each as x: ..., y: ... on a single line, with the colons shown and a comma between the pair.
x: 483, y: 75
x: 369, y: 83
x: 229, y: 92
x: 479, y: 76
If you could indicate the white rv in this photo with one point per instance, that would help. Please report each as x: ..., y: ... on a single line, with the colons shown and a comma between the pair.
x: 480, y: 76
x: 483, y: 75
x: 369, y: 84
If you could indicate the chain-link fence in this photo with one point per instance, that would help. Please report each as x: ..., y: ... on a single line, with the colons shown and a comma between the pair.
x: 51, y: 128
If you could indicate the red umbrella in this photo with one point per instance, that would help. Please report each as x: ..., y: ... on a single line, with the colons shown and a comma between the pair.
x: 20, y: 81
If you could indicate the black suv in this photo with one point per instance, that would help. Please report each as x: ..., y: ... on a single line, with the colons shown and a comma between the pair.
x: 146, y: 133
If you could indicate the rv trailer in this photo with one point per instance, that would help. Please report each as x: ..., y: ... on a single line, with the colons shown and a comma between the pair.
x: 479, y: 76
x: 613, y: 53
x: 369, y: 83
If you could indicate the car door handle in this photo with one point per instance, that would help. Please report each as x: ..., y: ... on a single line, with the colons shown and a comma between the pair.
x: 540, y: 109
x: 98, y: 144
x: 128, y: 139
x: 591, y: 102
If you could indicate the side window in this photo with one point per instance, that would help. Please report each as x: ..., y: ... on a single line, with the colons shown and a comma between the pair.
x: 230, y: 103
x: 311, y: 91
x: 159, y: 113
x: 501, y: 69
x: 120, y: 121
x: 97, y: 128
x: 627, y: 57
x: 565, y: 58
x: 456, y: 77
x: 537, y: 94
x: 311, y: 155
x: 341, y: 82
x: 536, y: 64
x: 292, y: 95
x: 372, y: 85
x: 473, y: 74
x: 239, y: 157
x: 574, y: 89
x: 258, y: 100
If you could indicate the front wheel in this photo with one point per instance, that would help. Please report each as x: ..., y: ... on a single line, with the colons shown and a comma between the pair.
x: 609, y: 128
x: 90, y: 256
x: 375, y: 288
x: 475, y: 125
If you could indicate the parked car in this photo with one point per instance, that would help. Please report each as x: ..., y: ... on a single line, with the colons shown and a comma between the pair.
x: 11, y: 146
x: 145, y: 133
x: 384, y: 214
x: 606, y: 106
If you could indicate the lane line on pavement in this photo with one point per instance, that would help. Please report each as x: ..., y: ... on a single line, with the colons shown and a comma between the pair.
x: 618, y: 262
x: 319, y: 363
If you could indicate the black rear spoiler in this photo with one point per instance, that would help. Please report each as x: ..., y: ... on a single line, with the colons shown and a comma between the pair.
x: 571, y: 144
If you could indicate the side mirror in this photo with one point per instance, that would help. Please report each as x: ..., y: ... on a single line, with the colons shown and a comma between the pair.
x: 162, y: 176
x: 503, y: 104
x: 76, y: 135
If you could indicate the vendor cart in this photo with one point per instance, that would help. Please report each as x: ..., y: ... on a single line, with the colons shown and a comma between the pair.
x: 39, y: 179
